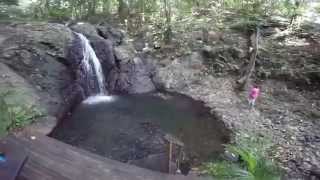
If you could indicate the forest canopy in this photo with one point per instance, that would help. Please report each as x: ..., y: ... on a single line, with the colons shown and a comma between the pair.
x: 82, y: 9
x: 158, y: 14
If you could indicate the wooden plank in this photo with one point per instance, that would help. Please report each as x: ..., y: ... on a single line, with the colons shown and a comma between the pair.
x: 50, y: 159
x: 14, y: 159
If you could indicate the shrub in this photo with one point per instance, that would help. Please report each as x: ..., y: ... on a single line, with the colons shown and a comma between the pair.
x: 252, y: 164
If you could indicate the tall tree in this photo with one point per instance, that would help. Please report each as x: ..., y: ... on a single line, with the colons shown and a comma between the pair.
x: 41, y: 9
x: 92, y: 5
x: 106, y: 6
x: 123, y: 10
x: 167, y: 13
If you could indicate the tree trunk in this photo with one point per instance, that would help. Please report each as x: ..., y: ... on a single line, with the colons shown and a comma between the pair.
x: 168, y: 30
x: 92, y: 7
x: 106, y: 7
x: 44, y: 8
x: 123, y: 10
x: 253, y: 52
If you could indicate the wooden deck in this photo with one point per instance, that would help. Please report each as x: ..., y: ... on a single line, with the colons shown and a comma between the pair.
x: 50, y: 159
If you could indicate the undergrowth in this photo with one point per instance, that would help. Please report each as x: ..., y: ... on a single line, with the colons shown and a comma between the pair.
x: 13, y: 116
x: 250, y: 161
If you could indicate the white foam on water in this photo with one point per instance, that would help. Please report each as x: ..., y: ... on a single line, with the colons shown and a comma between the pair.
x: 99, y: 99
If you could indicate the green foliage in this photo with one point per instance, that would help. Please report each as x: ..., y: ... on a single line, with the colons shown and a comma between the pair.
x: 21, y: 116
x: 225, y: 170
x: 250, y: 14
x: 9, y: 2
x: 15, y: 116
x: 9, y: 9
x: 5, y: 116
x: 317, y: 8
x: 254, y: 143
x: 252, y: 164
x: 164, y: 18
x: 10, y: 12
x: 291, y: 8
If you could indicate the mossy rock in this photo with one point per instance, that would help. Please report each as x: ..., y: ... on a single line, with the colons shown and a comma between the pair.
x: 15, y: 92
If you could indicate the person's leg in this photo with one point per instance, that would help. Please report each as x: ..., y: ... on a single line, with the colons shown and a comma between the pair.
x: 253, y: 102
x: 250, y: 103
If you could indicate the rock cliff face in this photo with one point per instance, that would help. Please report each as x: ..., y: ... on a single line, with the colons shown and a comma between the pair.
x: 125, y: 70
x: 35, y: 53
x: 47, y: 58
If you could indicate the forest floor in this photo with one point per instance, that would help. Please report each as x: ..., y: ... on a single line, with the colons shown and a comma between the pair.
x: 288, y: 110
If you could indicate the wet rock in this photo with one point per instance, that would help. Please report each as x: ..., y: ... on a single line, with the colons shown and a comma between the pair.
x: 104, y: 51
x: 84, y: 84
x: 132, y: 74
x: 124, y: 53
x: 85, y: 28
x: 116, y: 36
x: 101, y: 42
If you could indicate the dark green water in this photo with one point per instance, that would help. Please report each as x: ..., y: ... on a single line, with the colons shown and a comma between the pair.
x: 99, y: 127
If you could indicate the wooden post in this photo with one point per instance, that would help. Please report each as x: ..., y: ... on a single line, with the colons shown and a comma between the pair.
x: 170, y: 157
x: 172, y: 141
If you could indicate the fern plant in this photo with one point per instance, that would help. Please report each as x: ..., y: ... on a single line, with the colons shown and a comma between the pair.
x: 15, y: 116
x: 22, y: 115
x: 252, y: 164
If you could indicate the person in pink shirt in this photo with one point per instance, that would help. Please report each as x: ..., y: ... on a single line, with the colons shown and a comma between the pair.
x: 253, y: 95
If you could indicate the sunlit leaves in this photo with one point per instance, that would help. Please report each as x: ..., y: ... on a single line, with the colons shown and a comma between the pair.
x: 253, y: 163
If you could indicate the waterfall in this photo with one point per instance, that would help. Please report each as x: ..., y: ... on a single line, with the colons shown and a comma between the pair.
x: 91, y: 64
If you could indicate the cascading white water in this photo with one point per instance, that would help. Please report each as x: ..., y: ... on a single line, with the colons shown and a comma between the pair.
x: 92, y: 63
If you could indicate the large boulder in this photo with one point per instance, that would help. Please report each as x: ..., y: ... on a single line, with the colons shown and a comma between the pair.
x: 18, y: 89
x: 116, y: 36
x: 125, y: 71
x: 132, y: 74
x: 86, y: 29
x: 35, y: 54
x: 104, y: 51
x: 21, y: 93
x: 105, y: 31
x: 180, y: 73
